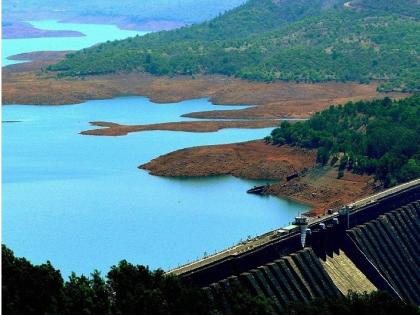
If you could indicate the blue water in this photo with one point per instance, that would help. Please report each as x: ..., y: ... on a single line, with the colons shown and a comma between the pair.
x: 82, y: 203
x: 94, y: 34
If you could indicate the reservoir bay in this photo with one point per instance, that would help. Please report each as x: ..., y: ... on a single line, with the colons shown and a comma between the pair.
x: 80, y: 201
x: 94, y: 34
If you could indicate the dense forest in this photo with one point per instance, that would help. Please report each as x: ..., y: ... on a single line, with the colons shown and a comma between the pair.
x: 128, y: 289
x: 380, y: 137
x: 267, y: 40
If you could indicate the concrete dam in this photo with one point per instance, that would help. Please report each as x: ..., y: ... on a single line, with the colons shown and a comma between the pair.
x: 372, y: 244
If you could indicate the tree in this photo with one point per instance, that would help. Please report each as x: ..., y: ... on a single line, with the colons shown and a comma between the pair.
x: 380, y: 137
x: 29, y: 289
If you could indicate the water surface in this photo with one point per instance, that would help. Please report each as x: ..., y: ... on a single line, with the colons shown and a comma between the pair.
x: 94, y: 33
x: 81, y: 202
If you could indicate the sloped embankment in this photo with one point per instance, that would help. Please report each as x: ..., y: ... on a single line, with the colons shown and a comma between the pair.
x: 299, y: 276
x: 381, y: 254
x: 391, y: 243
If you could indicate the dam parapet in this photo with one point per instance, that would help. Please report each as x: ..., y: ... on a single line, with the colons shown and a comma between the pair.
x: 368, y: 245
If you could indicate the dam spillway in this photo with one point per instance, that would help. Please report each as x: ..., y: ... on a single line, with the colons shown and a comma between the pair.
x: 345, y: 275
x: 374, y: 245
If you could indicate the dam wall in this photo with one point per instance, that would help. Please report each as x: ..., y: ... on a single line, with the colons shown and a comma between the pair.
x: 373, y: 245
x: 299, y: 276
x: 326, y: 237
x: 381, y: 254
x: 391, y: 243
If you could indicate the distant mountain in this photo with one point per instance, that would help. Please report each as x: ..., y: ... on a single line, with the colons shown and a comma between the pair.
x: 266, y: 40
x: 186, y: 11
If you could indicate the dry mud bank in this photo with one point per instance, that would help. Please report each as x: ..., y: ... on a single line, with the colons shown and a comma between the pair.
x: 29, y: 83
x: 113, y: 129
x: 318, y: 187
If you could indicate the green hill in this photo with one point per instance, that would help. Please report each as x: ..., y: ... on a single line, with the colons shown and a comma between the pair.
x: 267, y: 40
x: 380, y: 137
x: 402, y: 7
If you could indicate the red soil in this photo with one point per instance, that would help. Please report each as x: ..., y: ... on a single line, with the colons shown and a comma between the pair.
x: 318, y: 187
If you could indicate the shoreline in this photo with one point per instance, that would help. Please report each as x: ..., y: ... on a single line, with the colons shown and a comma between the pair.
x: 24, y: 30
x: 315, y: 186
x: 42, y: 56
x: 29, y: 83
x: 127, y: 23
x: 19, y: 28
x: 114, y: 129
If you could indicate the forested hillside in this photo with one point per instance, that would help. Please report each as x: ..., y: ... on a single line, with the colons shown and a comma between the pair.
x: 133, y: 289
x: 380, y: 137
x: 267, y: 40
x: 402, y: 7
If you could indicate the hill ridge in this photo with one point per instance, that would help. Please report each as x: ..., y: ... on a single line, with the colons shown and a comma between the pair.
x: 267, y: 40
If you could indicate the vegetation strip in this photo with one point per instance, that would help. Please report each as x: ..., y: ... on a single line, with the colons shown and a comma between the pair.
x: 266, y: 40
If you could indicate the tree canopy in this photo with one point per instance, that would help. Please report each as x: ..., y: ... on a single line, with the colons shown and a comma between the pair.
x: 380, y: 137
x: 132, y: 289
x: 267, y: 40
x: 127, y: 289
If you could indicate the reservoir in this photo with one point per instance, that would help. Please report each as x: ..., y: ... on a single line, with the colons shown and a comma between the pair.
x: 82, y: 203
x: 93, y: 34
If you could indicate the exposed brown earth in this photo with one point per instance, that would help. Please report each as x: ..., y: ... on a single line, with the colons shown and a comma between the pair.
x: 318, y: 187
x: 27, y: 84
x: 47, y: 56
x: 113, y: 129
x: 26, y: 30
x: 127, y: 23
x: 253, y: 160
x: 39, y: 61
x: 321, y: 189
